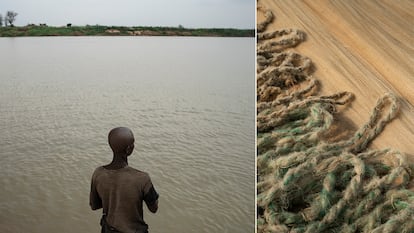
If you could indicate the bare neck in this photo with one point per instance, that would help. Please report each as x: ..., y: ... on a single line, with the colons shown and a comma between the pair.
x: 118, y: 161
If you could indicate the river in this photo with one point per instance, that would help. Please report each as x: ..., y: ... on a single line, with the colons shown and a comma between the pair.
x: 189, y: 101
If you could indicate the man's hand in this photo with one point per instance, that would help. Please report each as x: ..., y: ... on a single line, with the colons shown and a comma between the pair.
x: 153, y: 207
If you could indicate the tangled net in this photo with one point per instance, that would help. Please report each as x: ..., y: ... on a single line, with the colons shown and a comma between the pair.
x: 305, y: 183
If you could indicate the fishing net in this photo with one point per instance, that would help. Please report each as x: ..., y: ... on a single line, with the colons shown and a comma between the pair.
x: 305, y: 182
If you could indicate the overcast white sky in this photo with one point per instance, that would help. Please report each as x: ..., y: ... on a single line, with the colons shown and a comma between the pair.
x: 189, y: 13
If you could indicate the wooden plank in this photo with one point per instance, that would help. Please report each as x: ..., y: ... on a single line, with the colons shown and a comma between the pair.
x: 366, y: 47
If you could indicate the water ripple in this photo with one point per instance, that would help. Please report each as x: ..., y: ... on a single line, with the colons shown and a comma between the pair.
x: 194, y: 133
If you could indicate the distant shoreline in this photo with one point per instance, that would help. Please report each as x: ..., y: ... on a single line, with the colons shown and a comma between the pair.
x: 98, y: 30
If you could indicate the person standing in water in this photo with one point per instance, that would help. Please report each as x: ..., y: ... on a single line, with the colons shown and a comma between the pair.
x: 120, y: 189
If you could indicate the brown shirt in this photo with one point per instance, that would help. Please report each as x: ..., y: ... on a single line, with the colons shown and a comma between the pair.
x: 120, y: 193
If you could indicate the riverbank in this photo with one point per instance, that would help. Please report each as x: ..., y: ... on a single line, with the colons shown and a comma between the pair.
x: 98, y: 30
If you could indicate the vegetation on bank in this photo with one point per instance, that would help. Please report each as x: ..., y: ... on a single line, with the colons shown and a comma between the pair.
x: 98, y: 30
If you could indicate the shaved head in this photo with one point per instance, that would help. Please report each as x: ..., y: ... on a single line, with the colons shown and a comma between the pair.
x: 121, y: 140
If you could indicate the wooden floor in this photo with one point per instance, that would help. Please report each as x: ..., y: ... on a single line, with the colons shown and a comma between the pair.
x: 366, y: 47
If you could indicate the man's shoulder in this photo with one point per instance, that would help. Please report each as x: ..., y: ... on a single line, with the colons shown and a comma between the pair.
x: 126, y: 171
x: 137, y: 172
x: 98, y: 170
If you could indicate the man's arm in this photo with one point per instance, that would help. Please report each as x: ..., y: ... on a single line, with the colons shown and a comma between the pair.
x: 94, y: 199
x: 151, y: 198
x: 153, y: 207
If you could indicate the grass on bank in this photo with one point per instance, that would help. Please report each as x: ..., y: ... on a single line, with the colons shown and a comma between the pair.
x: 98, y: 30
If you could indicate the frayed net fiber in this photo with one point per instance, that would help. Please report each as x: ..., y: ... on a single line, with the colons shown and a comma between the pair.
x: 306, y: 183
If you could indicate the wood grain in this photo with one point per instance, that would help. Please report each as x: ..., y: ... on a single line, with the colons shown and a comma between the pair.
x: 366, y: 47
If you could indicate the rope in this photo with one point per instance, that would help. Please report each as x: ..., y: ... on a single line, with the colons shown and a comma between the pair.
x: 304, y: 183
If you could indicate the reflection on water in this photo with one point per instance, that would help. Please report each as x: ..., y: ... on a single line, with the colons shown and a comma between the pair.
x: 189, y: 101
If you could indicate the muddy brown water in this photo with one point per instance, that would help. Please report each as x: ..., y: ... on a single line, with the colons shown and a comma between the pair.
x: 189, y: 101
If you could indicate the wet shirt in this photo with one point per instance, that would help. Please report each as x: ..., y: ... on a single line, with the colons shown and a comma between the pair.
x: 121, y: 193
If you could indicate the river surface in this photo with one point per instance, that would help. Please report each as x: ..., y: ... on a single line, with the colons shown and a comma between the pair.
x: 189, y: 101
